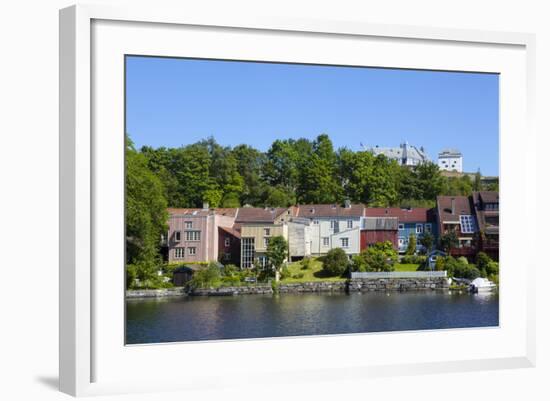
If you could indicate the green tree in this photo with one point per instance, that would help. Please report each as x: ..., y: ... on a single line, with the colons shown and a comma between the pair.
x: 449, y: 240
x: 427, y: 241
x: 146, y: 205
x: 277, y: 250
x: 335, y: 262
x: 411, y: 247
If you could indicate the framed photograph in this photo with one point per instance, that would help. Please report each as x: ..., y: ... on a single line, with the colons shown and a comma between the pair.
x: 238, y: 197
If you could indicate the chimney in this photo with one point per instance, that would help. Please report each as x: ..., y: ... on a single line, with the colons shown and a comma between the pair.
x: 205, y: 206
x: 452, y: 205
x: 347, y: 203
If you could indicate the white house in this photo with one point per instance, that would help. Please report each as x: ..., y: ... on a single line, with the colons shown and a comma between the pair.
x: 450, y: 160
x: 405, y: 154
x: 333, y: 226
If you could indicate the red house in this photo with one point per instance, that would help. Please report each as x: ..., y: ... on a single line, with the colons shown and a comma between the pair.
x: 379, y: 229
x: 229, y: 245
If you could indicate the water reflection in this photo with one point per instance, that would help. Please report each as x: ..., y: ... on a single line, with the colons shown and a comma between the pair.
x: 253, y: 316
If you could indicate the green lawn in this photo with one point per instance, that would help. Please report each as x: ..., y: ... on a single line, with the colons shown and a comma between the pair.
x: 313, y: 274
x: 405, y: 267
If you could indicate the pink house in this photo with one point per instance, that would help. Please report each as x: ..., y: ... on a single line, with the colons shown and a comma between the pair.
x: 193, y: 233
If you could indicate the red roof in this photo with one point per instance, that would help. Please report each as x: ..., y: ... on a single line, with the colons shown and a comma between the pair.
x: 412, y: 215
x: 462, y: 206
x: 259, y: 215
x: 202, y: 212
x: 313, y: 211
x: 231, y: 230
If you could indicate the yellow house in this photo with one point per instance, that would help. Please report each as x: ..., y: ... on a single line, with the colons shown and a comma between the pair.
x: 257, y: 226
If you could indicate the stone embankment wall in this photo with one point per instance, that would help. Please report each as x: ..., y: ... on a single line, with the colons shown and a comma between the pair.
x: 164, y: 292
x: 236, y: 290
x: 352, y: 285
x: 313, y: 286
x: 397, y: 284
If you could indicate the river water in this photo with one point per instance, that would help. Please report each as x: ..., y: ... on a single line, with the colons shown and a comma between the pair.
x: 255, y: 316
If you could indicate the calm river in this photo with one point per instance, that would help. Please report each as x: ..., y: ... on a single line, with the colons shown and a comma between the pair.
x: 253, y: 316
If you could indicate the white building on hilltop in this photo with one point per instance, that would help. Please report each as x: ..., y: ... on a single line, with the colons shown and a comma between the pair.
x: 450, y: 160
x: 405, y: 154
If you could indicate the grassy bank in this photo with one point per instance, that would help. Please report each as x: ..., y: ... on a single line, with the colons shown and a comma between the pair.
x: 314, y: 272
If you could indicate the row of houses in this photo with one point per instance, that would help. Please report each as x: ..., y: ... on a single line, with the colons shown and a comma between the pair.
x: 241, y: 235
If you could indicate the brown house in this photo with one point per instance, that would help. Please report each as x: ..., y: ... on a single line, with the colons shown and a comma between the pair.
x: 457, y: 213
x: 229, y: 245
x: 486, y: 204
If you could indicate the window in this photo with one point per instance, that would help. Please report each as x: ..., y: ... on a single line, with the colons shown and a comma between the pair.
x: 325, y: 241
x: 334, y: 226
x: 419, y: 228
x: 266, y: 242
x: 179, y: 253
x: 467, y: 224
x: 177, y: 236
x: 267, y: 232
x: 401, y: 227
x: 350, y: 223
x: 401, y: 242
x: 247, y: 252
x: 316, y: 222
x: 227, y: 256
x: 227, y: 242
x: 188, y: 224
x: 192, y: 235
x: 192, y: 251
x: 344, y: 242
x: 428, y: 228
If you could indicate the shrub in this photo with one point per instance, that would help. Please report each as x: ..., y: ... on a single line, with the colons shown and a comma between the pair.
x: 411, y: 248
x: 462, y: 260
x: 230, y: 270
x: 482, y: 261
x: 336, y: 262
x: 298, y: 275
x: 207, y: 277
x: 413, y: 259
x: 492, y: 269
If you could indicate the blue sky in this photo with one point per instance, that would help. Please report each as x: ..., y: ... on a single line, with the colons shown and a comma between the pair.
x: 173, y: 102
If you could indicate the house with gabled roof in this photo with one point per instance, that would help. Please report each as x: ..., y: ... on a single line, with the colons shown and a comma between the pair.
x: 257, y: 226
x: 457, y: 213
x: 193, y: 233
x: 415, y: 221
x: 333, y: 226
x: 486, y: 205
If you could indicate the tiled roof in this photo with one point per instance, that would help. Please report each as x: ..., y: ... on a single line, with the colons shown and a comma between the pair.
x: 489, y: 196
x: 412, y: 215
x: 381, y: 223
x: 232, y: 230
x: 463, y: 206
x: 202, y: 212
x: 259, y: 215
x: 313, y: 211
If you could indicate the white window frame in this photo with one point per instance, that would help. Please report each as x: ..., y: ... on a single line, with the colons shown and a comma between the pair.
x: 179, y: 252
x: 227, y: 241
x: 188, y: 225
x: 193, y: 236
x: 419, y: 228
x: 401, y: 226
x: 267, y: 232
x: 326, y: 241
x: 428, y: 228
x: 266, y: 242
x: 350, y: 224
x: 346, y: 241
x: 192, y: 250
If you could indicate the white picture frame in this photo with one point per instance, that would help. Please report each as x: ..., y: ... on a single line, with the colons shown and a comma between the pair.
x: 90, y: 358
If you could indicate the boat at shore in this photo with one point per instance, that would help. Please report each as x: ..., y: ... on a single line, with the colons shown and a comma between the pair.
x: 481, y: 284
